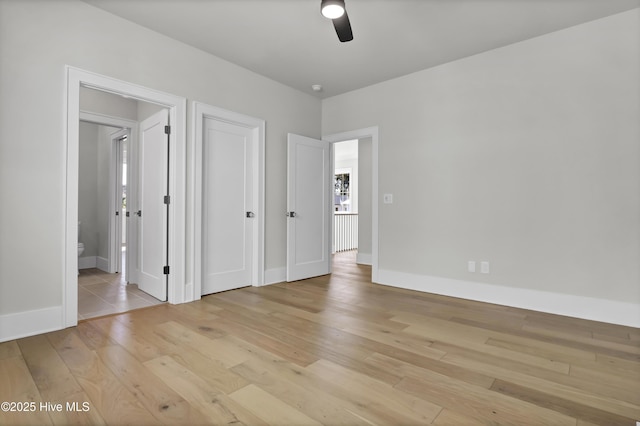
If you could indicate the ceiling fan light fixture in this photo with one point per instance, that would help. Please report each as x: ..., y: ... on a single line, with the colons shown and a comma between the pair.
x: 332, y: 9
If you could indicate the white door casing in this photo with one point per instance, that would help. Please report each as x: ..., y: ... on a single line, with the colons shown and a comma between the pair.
x: 373, y: 133
x: 152, y: 212
x: 177, y: 106
x: 308, y: 207
x: 115, y: 201
x: 228, y: 211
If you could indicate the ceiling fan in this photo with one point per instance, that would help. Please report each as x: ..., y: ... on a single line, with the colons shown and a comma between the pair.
x: 336, y: 11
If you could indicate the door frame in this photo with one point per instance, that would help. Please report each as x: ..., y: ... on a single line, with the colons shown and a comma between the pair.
x: 200, y: 112
x: 115, y: 221
x: 75, y: 78
x: 367, y: 132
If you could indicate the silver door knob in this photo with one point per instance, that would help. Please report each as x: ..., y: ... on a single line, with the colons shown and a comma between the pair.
x: 250, y: 214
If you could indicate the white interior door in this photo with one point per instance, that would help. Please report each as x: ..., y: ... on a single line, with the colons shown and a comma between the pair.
x: 152, y: 212
x: 308, y: 207
x: 228, y: 211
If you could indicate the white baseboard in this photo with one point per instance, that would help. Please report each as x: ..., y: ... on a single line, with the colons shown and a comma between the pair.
x: 274, y: 276
x: 30, y: 323
x: 87, y: 262
x: 609, y: 311
x: 364, y: 259
x: 102, y: 263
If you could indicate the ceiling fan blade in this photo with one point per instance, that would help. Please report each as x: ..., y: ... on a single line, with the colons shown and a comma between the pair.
x: 343, y: 27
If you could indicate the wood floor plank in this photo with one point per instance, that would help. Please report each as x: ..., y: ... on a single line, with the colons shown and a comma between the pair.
x: 377, y: 393
x: 318, y: 405
x: 552, y: 389
x: 9, y: 349
x: 92, y: 336
x: 185, y: 337
x: 128, y: 338
x: 466, y: 339
x: 212, y: 370
x: 106, y: 394
x: 563, y: 405
x: 269, y: 408
x: 480, y: 404
x: 449, y: 417
x: 356, y: 404
x: 18, y: 387
x: 163, y: 403
x: 213, y: 403
x: 627, y: 384
x: 482, y: 362
x: 404, y: 368
x: 77, y: 411
x: 50, y: 374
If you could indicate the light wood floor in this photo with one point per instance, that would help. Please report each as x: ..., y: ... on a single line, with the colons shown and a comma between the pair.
x: 332, y: 350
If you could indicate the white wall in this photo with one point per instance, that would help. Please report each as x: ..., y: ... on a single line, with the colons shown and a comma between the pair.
x: 102, y: 189
x: 526, y: 156
x: 87, y: 188
x: 37, y: 39
x: 93, y: 194
x: 108, y: 104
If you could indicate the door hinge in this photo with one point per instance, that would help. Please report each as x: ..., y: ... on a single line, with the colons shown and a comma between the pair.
x: 117, y: 213
x: 127, y: 214
x: 165, y: 270
x: 167, y: 130
x: 167, y: 199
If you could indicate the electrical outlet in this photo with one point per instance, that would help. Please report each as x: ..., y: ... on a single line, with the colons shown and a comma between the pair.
x: 387, y: 198
x: 484, y: 267
x: 471, y: 266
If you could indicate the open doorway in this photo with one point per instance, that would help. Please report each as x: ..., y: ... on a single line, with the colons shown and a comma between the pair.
x: 108, y: 187
x: 345, y: 199
x: 174, y: 202
x: 367, y: 253
x: 353, y: 208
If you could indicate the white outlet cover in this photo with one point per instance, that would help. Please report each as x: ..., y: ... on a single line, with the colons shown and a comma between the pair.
x: 471, y: 266
x: 484, y: 267
x: 387, y: 198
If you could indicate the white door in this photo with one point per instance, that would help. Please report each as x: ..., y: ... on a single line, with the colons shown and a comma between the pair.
x: 308, y: 207
x: 228, y: 213
x: 152, y: 212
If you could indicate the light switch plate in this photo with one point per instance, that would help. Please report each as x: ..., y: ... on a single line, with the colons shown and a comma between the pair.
x: 387, y: 198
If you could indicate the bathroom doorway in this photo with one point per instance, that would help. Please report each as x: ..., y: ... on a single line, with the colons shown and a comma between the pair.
x: 110, y: 193
x: 173, y: 203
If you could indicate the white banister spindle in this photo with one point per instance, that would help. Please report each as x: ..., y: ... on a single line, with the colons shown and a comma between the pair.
x: 346, y: 231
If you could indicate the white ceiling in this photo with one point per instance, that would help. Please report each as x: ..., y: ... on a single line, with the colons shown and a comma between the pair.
x: 289, y: 41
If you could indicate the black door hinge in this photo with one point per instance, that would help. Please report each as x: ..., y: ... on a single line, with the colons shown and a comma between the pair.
x: 167, y: 130
x: 165, y: 270
x: 167, y: 199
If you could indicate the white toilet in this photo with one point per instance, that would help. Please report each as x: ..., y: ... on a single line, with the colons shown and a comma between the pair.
x: 80, y: 246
